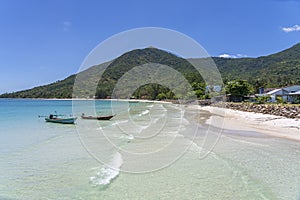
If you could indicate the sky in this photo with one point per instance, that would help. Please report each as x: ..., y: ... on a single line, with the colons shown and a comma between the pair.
x: 42, y: 41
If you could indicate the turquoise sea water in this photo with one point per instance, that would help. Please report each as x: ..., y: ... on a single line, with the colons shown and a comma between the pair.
x: 147, y: 151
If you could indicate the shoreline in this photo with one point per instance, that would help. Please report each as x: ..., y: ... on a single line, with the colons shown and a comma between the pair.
x: 272, y: 125
x: 227, y: 118
x: 284, y: 110
x: 85, y: 99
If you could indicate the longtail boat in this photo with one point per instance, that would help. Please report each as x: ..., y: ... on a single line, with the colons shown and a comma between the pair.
x: 55, y: 119
x: 97, y: 117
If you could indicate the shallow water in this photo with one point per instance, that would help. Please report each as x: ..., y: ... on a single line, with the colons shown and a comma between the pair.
x: 147, y: 151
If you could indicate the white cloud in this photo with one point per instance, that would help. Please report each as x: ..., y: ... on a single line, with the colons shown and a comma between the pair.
x: 291, y: 29
x: 67, y: 25
x: 225, y: 55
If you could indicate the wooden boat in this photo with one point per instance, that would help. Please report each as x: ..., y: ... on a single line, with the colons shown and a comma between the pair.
x: 97, y: 117
x: 55, y: 119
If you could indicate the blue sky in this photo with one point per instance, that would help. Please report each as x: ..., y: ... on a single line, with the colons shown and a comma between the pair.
x: 43, y: 41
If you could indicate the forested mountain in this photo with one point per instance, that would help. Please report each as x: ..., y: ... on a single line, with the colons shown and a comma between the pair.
x: 276, y: 70
x: 140, y: 57
x: 59, y: 89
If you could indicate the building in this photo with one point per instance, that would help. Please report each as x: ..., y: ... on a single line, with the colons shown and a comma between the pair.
x: 289, y: 94
x: 278, y: 93
x: 294, y: 97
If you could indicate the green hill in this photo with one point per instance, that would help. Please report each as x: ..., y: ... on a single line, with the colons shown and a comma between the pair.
x: 140, y: 57
x: 59, y: 89
x: 276, y: 70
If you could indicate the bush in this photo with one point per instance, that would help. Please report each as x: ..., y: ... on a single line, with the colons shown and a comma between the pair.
x: 262, y: 99
x: 280, y: 100
x: 161, y: 96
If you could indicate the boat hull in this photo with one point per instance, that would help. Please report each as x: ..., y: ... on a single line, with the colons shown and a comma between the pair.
x: 98, y: 118
x: 62, y: 120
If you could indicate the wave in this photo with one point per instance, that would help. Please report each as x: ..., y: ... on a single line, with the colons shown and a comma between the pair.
x: 144, y: 113
x: 130, y: 137
x: 107, y: 174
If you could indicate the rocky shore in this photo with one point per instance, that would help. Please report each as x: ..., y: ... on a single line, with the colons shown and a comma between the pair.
x: 289, y: 111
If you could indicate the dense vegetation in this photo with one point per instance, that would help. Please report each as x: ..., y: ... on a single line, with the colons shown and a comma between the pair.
x: 239, y: 88
x: 59, y: 89
x: 141, y: 57
x: 276, y: 70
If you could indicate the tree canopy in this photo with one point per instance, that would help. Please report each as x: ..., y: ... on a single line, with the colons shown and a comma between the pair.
x: 239, y: 88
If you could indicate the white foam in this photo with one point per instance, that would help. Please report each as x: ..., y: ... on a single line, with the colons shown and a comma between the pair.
x: 107, y: 174
x: 130, y: 137
x: 144, y: 113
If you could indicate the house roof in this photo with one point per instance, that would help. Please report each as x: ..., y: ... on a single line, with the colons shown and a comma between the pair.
x: 274, y: 91
x: 295, y: 93
x: 294, y: 88
x: 291, y: 90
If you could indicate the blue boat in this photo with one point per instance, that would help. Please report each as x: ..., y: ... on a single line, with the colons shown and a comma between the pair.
x: 55, y: 119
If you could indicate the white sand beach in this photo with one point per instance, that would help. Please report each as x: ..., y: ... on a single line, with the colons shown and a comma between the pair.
x: 272, y: 125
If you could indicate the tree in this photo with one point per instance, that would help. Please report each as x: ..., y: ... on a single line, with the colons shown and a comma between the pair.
x: 161, y: 96
x: 199, y: 89
x: 239, y: 88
